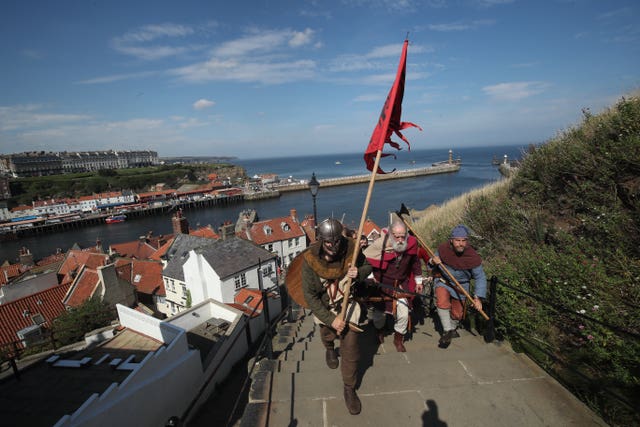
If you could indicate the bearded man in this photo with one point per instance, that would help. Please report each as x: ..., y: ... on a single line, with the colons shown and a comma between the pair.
x: 395, y: 262
x: 325, y: 265
x: 464, y: 264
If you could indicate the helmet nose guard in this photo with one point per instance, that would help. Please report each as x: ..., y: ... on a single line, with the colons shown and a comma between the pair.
x: 330, y: 231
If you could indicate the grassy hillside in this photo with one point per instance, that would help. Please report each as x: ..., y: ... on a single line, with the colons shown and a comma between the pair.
x: 565, y: 229
x: 24, y: 190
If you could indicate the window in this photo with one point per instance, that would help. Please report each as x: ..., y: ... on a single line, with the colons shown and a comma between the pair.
x: 240, y: 281
x: 270, y: 247
x: 267, y: 270
x: 289, y: 243
x: 297, y: 241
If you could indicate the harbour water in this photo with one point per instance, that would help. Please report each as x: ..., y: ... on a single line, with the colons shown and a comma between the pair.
x: 344, y: 202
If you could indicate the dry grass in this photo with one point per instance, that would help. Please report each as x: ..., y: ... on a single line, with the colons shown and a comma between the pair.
x: 437, y: 220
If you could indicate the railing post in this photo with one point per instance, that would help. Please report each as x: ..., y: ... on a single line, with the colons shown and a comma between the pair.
x: 265, y: 305
x: 12, y: 361
x: 490, y: 333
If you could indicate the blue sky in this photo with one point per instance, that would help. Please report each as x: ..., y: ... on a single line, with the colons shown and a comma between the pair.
x: 269, y: 78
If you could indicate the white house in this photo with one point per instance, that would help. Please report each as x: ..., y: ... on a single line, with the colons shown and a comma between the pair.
x: 199, y: 269
x: 283, y: 236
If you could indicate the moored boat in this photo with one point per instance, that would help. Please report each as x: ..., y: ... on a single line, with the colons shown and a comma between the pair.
x: 113, y: 219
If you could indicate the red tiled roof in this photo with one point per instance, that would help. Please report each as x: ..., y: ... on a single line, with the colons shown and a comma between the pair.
x: 8, y: 272
x: 156, y: 193
x: 145, y: 276
x: 205, y: 231
x: 279, y: 229
x: 51, y: 259
x: 76, y: 259
x: 136, y: 249
x: 83, y: 288
x: 157, y: 256
x: 12, y: 314
x: 108, y: 195
x: 369, y: 227
x: 21, y: 208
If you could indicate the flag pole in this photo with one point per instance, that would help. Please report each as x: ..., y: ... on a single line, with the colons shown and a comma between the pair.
x: 391, y: 112
x: 363, y: 218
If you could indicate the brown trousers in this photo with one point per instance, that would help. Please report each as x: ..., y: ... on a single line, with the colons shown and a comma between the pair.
x: 445, y: 301
x: 349, y: 352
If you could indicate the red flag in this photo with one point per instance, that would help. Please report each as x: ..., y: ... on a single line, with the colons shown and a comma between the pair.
x: 389, y: 121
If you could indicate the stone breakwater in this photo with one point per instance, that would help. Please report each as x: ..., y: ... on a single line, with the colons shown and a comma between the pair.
x: 356, y: 179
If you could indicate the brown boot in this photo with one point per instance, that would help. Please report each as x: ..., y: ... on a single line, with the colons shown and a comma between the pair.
x: 352, y: 400
x: 331, y: 357
x: 397, y: 341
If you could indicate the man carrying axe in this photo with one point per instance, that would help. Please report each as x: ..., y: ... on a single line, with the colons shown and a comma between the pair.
x: 396, y: 265
x: 325, y: 266
x: 460, y: 260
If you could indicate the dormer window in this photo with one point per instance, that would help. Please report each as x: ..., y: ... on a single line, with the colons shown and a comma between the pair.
x: 285, y: 226
x: 267, y: 230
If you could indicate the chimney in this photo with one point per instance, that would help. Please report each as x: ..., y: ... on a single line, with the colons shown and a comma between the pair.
x: 26, y: 257
x: 226, y: 230
x: 180, y: 223
x: 294, y: 215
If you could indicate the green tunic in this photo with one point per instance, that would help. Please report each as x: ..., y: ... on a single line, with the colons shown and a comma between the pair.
x: 317, y: 273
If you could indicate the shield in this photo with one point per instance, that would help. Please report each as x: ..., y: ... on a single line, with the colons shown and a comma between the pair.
x: 293, y: 281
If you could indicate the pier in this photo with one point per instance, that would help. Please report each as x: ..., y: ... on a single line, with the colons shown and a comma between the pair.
x: 358, y: 179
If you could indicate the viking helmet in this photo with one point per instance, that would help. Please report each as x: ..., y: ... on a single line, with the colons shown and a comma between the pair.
x: 330, y: 234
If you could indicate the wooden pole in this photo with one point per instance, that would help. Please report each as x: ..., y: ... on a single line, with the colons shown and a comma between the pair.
x: 363, y: 218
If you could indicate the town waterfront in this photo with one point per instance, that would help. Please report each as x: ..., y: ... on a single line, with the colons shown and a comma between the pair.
x: 344, y: 202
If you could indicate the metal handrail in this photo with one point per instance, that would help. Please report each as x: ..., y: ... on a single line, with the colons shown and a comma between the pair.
x: 490, y: 332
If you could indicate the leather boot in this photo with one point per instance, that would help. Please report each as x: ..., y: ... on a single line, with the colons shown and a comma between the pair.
x: 397, y: 341
x: 445, y: 339
x: 331, y: 357
x: 352, y: 400
x: 380, y: 336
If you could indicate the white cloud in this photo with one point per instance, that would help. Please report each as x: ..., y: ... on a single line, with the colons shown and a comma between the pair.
x: 264, y: 41
x: 151, y: 32
x: 369, y: 97
x: 460, y: 26
x: 116, y: 77
x: 249, y: 71
x: 20, y: 117
x: 301, y: 38
x: 137, y: 43
x: 201, y: 104
x: 514, y: 91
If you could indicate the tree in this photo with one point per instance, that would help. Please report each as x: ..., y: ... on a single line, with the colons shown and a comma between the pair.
x: 75, y: 323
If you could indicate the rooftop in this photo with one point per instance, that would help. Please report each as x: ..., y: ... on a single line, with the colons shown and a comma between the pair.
x: 47, y: 391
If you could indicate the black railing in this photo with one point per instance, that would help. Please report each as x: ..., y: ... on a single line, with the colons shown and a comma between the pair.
x: 490, y: 335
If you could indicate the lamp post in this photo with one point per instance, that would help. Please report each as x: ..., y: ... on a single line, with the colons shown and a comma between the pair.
x: 314, y: 185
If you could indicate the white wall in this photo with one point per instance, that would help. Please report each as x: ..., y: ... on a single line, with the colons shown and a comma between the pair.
x: 202, y: 280
x: 167, y: 381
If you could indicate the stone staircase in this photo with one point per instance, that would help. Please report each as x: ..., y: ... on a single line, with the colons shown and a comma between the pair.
x: 471, y: 383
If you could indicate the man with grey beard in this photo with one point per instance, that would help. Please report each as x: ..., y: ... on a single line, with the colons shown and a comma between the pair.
x: 396, y: 264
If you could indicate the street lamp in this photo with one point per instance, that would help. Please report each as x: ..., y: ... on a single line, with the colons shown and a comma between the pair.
x: 314, y: 185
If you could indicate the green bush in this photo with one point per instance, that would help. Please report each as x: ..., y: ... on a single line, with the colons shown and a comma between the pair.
x: 564, y: 240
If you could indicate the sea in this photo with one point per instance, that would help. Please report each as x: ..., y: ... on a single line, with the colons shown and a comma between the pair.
x: 344, y: 202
